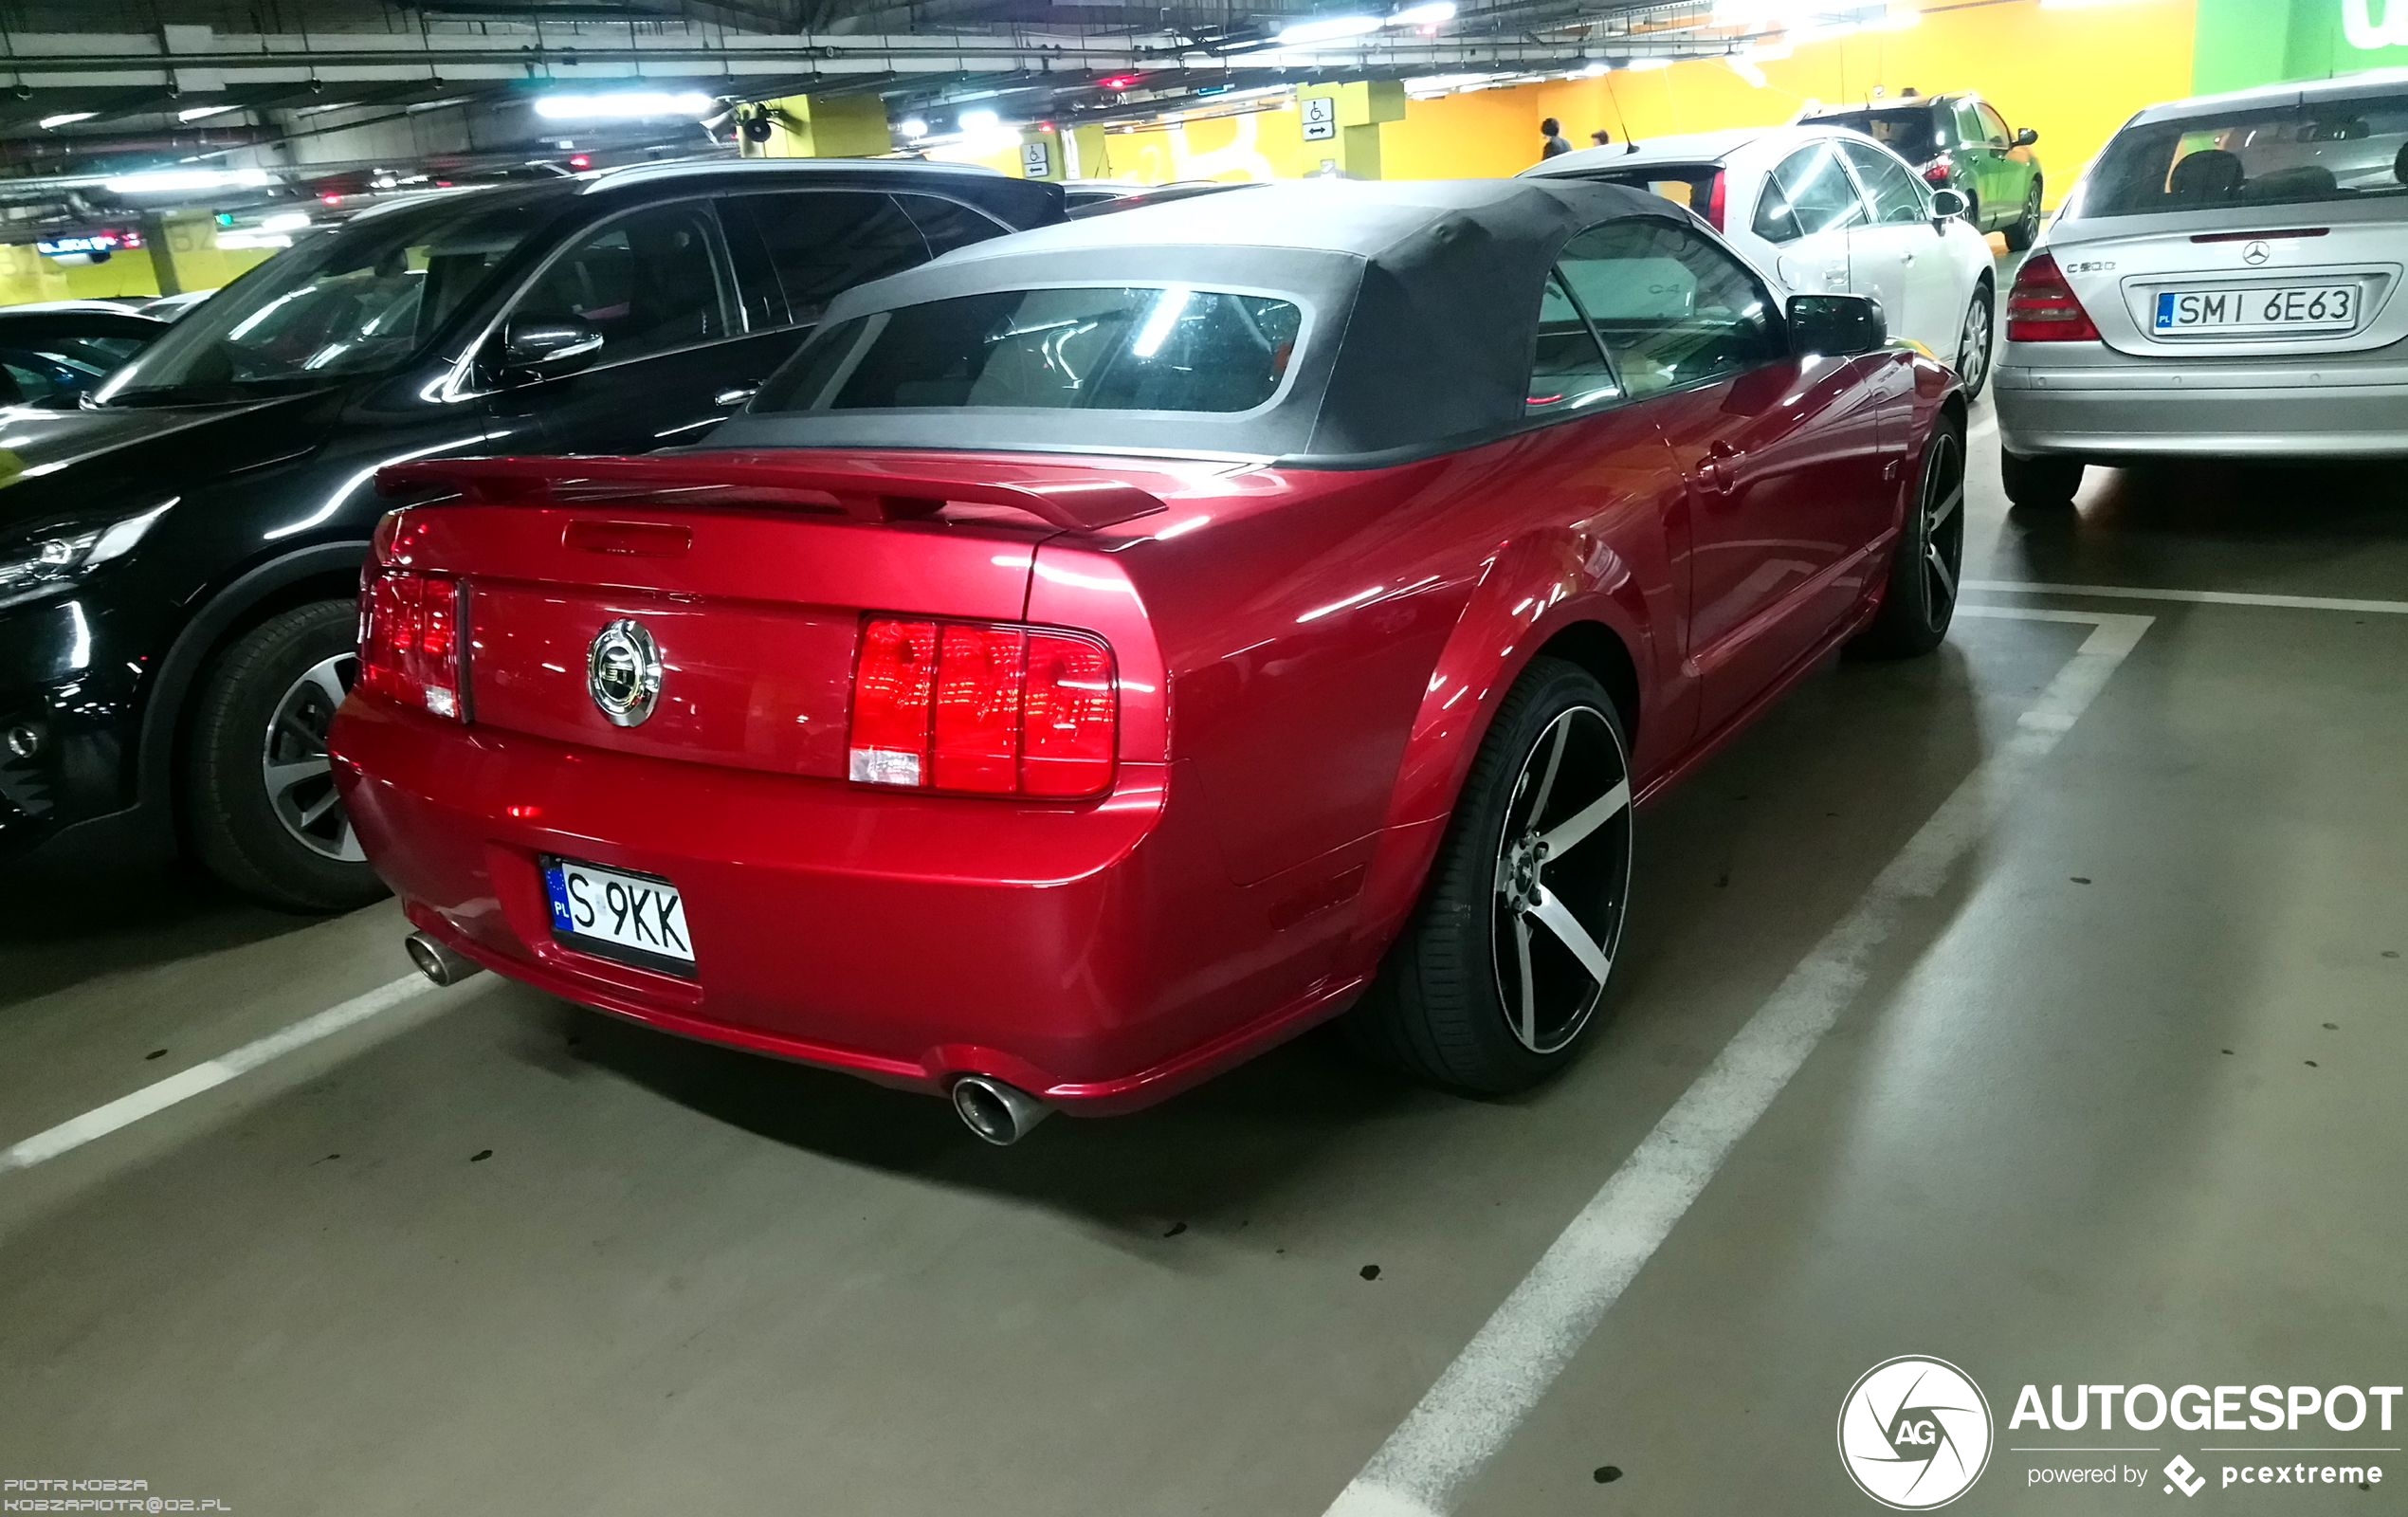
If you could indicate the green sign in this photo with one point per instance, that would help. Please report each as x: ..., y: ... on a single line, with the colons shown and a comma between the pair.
x: 2246, y: 43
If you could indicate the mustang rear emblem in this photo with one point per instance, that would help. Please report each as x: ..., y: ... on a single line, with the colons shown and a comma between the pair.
x: 2256, y: 253
x: 622, y: 672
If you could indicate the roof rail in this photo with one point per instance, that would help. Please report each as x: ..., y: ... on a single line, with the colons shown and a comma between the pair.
x: 686, y: 167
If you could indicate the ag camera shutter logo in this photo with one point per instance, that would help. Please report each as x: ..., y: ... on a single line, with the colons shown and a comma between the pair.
x: 1914, y: 1433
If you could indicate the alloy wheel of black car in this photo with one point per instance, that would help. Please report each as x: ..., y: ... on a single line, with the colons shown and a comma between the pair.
x: 259, y: 801
x: 1974, y: 343
x: 1502, y: 970
x: 1920, y: 600
x: 294, y: 764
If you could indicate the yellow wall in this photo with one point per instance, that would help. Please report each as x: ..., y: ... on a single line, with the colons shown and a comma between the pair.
x: 2074, y: 75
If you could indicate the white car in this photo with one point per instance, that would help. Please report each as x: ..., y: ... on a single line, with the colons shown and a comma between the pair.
x: 1827, y: 210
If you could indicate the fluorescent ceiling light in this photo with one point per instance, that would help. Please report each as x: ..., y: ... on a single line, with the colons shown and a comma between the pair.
x: 177, y: 181
x: 1429, y: 13
x: 912, y: 127
x: 626, y: 105
x: 284, y: 221
x: 201, y: 112
x: 978, y: 119
x: 51, y: 124
x: 1648, y: 66
x: 1595, y: 67
x: 1443, y: 84
x: 1329, y: 29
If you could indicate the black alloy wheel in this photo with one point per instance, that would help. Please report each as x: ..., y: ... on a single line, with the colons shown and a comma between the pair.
x: 1920, y: 598
x: 1504, y: 969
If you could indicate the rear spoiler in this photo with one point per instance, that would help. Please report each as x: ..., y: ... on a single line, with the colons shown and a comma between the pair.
x: 1069, y: 496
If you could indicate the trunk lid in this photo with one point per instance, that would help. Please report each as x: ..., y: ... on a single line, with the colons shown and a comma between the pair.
x: 2258, y: 260
x: 750, y: 572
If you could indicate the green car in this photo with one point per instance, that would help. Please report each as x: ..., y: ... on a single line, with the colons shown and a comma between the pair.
x: 1960, y: 142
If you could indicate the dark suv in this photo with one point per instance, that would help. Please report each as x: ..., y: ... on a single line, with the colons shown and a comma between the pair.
x: 1958, y: 142
x: 179, y: 560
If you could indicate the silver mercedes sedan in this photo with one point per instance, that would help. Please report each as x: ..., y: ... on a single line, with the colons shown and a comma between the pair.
x: 2225, y: 282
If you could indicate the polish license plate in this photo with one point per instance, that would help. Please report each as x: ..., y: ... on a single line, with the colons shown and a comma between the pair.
x: 2239, y: 312
x: 632, y: 918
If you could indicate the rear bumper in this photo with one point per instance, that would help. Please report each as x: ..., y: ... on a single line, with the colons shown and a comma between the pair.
x: 1097, y: 956
x: 2344, y: 410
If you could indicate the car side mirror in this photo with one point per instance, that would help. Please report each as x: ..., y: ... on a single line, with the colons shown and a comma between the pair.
x: 1948, y: 204
x: 540, y: 348
x: 1838, y: 325
x: 2026, y: 138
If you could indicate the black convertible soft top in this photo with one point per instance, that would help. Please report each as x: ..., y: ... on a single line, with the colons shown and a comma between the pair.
x: 1420, y: 301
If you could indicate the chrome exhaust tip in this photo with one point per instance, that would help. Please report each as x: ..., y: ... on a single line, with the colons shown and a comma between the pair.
x: 1000, y: 1113
x: 437, y: 963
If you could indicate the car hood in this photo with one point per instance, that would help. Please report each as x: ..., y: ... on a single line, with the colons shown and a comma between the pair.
x: 61, y: 462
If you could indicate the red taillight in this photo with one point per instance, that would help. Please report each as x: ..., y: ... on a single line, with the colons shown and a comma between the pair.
x: 983, y: 709
x: 1714, y: 201
x: 1939, y: 168
x: 2042, y: 306
x: 409, y: 640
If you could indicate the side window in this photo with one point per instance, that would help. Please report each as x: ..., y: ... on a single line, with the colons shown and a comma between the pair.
x: 647, y: 281
x: 1774, y: 222
x: 1673, y: 308
x: 948, y: 225
x: 1994, y: 126
x: 1567, y: 369
x: 1820, y: 194
x: 822, y: 243
x: 1969, y: 128
x: 1894, y: 193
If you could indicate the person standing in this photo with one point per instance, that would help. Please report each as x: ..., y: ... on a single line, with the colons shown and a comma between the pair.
x: 1601, y: 138
x: 1552, y: 131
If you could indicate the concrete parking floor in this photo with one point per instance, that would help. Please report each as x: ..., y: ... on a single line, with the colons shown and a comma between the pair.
x: 2111, y: 1095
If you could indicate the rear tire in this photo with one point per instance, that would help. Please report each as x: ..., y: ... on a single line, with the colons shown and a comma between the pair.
x: 2043, y: 483
x: 257, y: 794
x: 1977, y: 342
x: 2022, y: 234
x: 1920, y: 598
x: 1486, y: 991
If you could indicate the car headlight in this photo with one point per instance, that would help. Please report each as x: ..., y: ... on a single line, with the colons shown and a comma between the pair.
x: 33, y: 564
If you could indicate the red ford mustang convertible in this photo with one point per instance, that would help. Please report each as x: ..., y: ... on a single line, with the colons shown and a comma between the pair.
x: 1104, y: 653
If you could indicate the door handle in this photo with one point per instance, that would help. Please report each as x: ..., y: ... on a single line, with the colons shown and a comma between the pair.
x: 1714, y: 469
x: 1906, y: 258
x: 731, y: 398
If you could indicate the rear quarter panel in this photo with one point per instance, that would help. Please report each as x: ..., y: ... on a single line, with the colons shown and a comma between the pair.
x: 1336, y: 641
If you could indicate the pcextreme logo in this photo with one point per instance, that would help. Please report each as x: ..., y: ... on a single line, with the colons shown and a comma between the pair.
x: 2365, y: 33
x: 1914, y: 1433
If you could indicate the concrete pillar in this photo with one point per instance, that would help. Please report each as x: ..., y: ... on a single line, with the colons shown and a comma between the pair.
x: 1341, y: 124
x: 823, y: 126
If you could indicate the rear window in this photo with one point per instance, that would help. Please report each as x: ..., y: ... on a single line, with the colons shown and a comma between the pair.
x: 1688, y: 185
x: 1907, y: 133
x: 1123, y: 348
x: 2294, y: 154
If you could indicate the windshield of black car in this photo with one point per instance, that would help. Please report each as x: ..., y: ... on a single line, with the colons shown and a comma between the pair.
x: 2322, y: 151
x: 364, y: 300
x: 1100, y: 348
x: 1905, y: 131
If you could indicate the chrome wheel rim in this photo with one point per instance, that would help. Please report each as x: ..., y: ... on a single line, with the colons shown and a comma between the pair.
x: 1562, y: 880
x: 1944, y: 524
x: 296, y: 769
x: 1973, y: 344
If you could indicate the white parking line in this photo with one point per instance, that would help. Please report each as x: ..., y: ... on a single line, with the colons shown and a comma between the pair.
x: 185, y: 1084
x: 1510, y: 1365
x: 2201, y: 597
